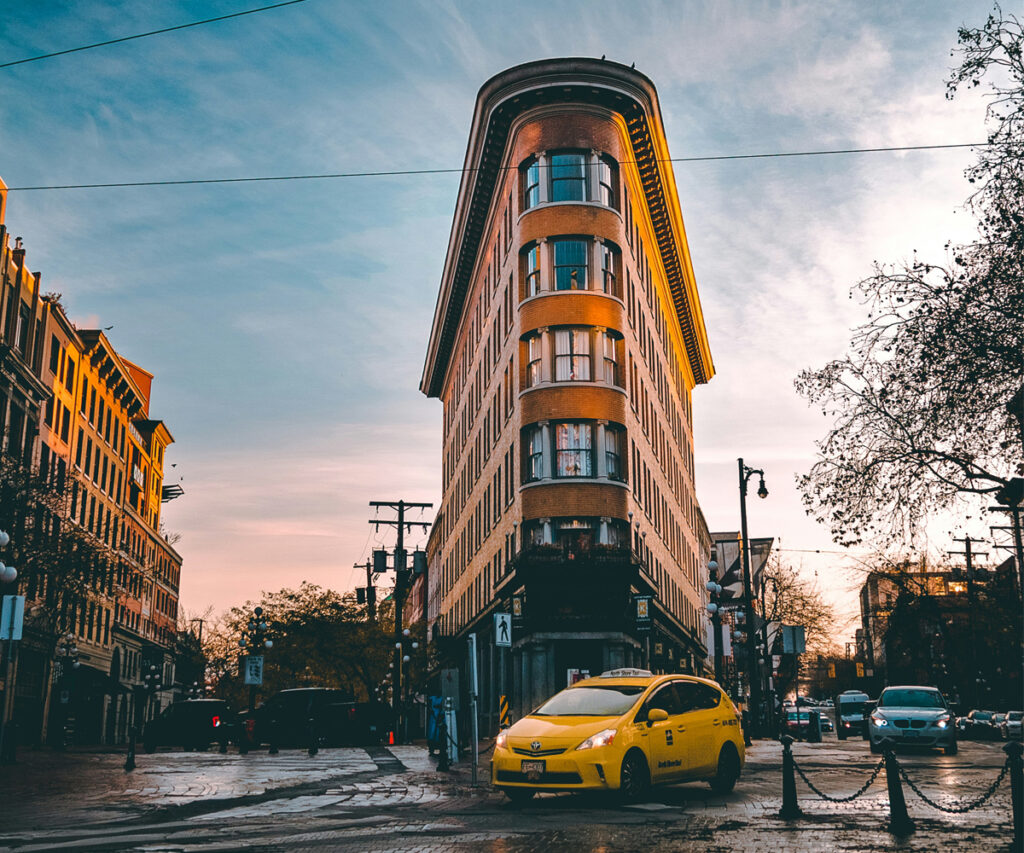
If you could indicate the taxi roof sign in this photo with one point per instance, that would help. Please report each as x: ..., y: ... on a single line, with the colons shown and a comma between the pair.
x: 627, y: 672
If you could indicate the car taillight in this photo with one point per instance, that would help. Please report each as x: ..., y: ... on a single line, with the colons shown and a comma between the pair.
x: 216, y: 721
x: 391, y: 738
x: 250, y: 725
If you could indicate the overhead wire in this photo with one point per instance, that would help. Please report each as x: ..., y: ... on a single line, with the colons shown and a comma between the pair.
x: 470, y: 169
x: 150, y: 33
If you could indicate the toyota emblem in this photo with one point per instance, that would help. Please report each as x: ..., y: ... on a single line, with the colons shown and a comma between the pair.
x: 535, y: 746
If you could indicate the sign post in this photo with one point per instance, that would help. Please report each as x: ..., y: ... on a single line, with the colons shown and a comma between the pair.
x: 12, y: 615
x: 472, y: 705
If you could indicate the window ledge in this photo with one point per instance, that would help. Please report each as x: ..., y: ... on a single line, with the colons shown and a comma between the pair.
x: 548, y: 204
x: 552, y: 481
x: 590, y: 383
x: 579, y: 290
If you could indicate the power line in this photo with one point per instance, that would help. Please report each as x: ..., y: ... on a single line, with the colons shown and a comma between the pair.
x: 150, y: 33
x: 404, y: 172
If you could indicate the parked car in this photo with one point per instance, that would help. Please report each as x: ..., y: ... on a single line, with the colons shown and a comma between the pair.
x: 1011, y: 726
x: 826, y: 723
x: 978, y: 725
x: 913, y: 715
x: 294, y: 718
x: 801, y: 725
x: 850, y: 713
x: 191, y: 724
x: 622, y: 731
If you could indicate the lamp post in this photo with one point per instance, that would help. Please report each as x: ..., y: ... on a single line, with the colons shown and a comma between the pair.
x: 253, y: 640
x: 753, y: 664
x: 8, y: 575
x: 67, y: 657
x: 713, y: 608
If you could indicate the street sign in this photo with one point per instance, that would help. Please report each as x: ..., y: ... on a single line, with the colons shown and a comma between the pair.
x: 12, y: 616
x: 503, y: 630
x: 254, y: 669
x: 450, y: 687
x: 793, y: 640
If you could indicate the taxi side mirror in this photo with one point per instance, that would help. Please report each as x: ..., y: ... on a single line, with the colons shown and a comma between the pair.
x: 656, y: 715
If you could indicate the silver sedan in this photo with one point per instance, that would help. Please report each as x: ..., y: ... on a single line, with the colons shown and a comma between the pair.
x: 913, y: 715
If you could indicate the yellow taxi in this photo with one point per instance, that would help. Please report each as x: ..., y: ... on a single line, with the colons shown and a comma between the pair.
x: 624, y: 731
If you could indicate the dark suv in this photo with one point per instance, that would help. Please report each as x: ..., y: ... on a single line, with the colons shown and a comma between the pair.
x: 294, y: 718
x: 192, y: 724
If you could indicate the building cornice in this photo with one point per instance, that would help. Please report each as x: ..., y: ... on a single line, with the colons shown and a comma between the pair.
x: 501, y: 100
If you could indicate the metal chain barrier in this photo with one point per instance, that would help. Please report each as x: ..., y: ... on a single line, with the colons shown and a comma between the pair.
x: 958, y: 809
x: 853, y: 796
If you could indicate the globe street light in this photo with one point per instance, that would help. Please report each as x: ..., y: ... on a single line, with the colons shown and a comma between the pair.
x: 753, y: 667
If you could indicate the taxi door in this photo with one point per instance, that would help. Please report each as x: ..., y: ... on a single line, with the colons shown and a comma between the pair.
x: 701, y: 727
x: 665, y: 750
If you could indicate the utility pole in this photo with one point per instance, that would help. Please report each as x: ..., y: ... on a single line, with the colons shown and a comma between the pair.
x: 968, y: 556
x: 401, y: 579
x: 1011, y: 498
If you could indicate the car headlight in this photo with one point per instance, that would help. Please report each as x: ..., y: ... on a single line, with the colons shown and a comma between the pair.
x: 879, y: 721
x: 603, y: 738
x: 502, y: 739
x: 943, y: 722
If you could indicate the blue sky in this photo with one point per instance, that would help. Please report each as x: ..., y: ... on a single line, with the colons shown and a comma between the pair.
x: 286, y: 322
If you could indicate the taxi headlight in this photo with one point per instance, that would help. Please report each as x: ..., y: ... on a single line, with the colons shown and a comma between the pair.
x: 879, y: 721
x: 502, y: 739
x: 603, y: 738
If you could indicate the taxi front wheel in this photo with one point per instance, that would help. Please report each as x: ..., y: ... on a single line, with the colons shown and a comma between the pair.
x: 635, y: 778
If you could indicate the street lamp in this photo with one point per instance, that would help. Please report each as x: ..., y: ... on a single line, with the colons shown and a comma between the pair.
x: 252, y: 642
x: 753, y: 666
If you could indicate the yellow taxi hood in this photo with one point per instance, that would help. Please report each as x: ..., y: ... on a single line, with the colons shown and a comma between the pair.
x: 579, y: 728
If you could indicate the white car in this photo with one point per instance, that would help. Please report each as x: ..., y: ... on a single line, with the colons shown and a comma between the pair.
x: 1011, y: 726
x: 913, y: 715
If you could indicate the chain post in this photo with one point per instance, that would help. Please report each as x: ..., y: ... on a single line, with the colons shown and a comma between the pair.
x: 899, y: 820
x: 790, y: 809
x: 1013, y: 759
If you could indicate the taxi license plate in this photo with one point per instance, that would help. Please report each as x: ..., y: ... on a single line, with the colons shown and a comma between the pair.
x: 532, y: 770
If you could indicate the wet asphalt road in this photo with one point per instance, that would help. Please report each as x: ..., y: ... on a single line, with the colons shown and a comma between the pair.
x: 393, y: 800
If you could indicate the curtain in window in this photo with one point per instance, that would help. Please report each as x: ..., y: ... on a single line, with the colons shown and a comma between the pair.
x: 611, y: 367
x: 533, y: 368
x: 570, y: 264
x: 572, y: 355
x: 611, y: 453
x: 568, y: 177
x: 573, y: 457
x: 536, y: 454
x: 533, y: 271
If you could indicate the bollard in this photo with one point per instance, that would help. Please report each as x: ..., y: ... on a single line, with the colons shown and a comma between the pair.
x: 1013, y: 752
x: 314, y: 745
x: 790, y: 810
x: 442, y: 733
x: 129, y: 761
x: 899, y: 821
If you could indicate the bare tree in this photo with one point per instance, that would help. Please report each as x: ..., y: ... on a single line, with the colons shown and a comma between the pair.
x: 794, y: 600
x: 919, y: 402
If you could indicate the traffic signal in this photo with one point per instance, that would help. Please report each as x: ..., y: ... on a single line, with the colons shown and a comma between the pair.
x: 361, y: 595
x: 860, y: 670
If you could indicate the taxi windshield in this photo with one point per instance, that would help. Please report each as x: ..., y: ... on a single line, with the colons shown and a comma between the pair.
x: 610, y: 701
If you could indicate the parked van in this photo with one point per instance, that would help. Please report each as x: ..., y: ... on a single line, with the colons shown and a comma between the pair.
x: 850, y: 712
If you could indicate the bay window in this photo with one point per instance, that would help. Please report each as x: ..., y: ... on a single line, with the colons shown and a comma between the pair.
x: 534, y: 361
x: 532, y: 261
x: 613, y: 453
x: 570, y: 264
x: 573, y: 450
x: 607, y: 182
x: 535, y: 447
x: 569, y: 177
x: 572, y: 355
x: 531, y: 184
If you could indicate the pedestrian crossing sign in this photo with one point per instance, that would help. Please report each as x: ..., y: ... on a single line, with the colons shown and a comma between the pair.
x: 503, y: 630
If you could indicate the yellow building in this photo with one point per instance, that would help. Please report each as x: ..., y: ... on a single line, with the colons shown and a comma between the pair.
x: 115, y: 586
x: 566, y: 342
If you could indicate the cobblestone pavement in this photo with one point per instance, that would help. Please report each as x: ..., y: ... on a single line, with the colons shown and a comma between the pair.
x: 393, y: 800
